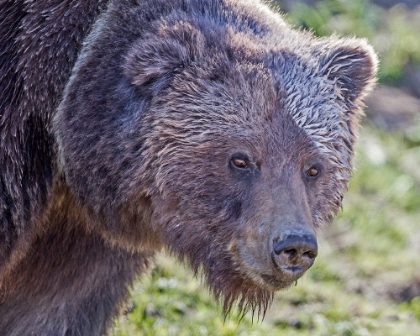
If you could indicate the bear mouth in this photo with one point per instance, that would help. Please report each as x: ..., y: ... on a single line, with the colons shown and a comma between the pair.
x: 265, y: 272
x: 280, y: 278
x: 275, y: 283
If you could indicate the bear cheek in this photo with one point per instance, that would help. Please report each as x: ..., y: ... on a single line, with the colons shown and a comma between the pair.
x: 251, y: 249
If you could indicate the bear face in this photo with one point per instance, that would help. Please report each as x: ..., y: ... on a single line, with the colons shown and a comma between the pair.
x: 216, y: 131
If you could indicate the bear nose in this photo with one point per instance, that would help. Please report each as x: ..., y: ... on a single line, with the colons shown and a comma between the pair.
x: 295, y: 253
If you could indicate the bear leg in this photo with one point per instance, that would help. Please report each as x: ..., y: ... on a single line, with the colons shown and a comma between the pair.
x: 70, y: 282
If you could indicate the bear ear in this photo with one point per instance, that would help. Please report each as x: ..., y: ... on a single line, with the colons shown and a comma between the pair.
x: 352, y: 64
x: 155, y: 58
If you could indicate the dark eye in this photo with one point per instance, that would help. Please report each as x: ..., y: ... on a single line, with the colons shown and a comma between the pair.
x: 239, y: 163
x: 313, y: 171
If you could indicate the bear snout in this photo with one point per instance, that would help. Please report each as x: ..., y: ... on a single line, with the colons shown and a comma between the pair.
x: 294, y: 253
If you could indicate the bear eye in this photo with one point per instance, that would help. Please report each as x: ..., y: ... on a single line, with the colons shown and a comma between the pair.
x: 239, y: 163
x: 313, y: 171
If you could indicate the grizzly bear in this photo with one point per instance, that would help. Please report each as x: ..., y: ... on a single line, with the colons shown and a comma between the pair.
x: 209, y: 128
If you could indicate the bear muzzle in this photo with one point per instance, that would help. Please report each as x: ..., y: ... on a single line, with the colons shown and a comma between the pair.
x: 287, y: 254
x: 295, y: 253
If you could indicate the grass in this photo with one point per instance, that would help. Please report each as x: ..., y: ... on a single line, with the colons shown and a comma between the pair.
x: 366, y: 258
x: 393, y: 32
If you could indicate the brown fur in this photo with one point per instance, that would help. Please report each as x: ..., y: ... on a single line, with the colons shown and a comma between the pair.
x: 133, y: 152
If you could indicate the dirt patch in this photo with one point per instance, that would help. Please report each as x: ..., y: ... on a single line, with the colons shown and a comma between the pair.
x: 406, y: 292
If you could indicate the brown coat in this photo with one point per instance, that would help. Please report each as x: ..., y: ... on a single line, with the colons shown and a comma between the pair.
x: 210, y: 128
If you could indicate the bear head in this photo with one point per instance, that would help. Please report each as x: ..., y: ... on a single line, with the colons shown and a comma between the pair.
x: 218, y: 132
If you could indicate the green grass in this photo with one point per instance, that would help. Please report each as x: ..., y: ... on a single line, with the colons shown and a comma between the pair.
x: 368, y: 254
x: 394, y: 33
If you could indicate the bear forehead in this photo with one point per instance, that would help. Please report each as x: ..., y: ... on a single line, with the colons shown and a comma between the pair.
x: 247, y: 56
x: 261, y: 75
x: 243, y: 112
x: 249, y: 95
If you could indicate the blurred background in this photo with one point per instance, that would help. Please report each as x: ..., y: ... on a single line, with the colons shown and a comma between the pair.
x: 366, y: 279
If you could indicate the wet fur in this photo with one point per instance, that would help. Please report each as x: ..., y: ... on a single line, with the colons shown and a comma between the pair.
x: 116, y: 121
